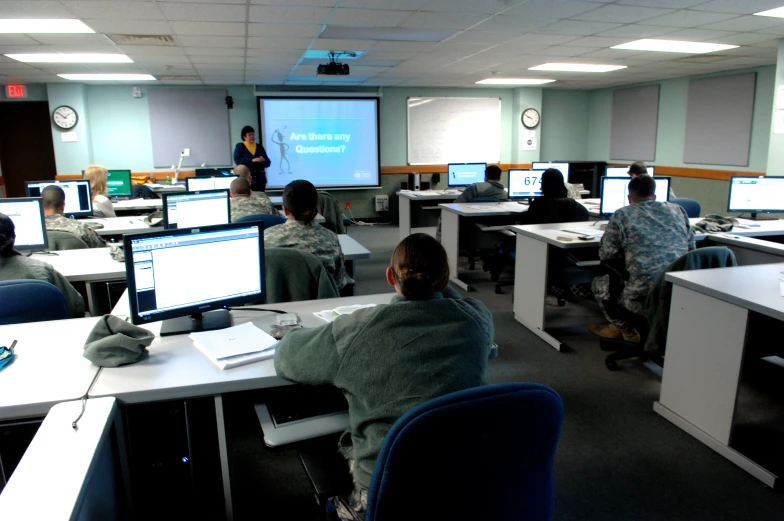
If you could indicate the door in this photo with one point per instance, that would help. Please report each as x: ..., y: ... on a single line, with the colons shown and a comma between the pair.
x: 26, y: 149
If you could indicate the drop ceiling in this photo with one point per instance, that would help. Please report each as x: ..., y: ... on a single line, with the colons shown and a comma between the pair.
x: 451, y: 43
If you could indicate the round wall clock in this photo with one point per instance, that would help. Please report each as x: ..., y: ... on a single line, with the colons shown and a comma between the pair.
x: 530, y: 118
x: 65, y: 117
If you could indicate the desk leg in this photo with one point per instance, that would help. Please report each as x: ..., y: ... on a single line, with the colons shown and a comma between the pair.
x: 705, y: 344
x: 450, y: 240
x: 224, y: 457
x: 122, y: 453
x: 530, y: 286
x: 404, y: 211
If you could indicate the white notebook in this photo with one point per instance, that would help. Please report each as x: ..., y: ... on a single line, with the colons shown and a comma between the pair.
x: 235, y: 346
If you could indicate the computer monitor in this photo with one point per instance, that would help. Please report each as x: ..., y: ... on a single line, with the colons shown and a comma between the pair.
x: 27, y: 213
x: 615, y: 192
x: 465, y: 174
x: 118, y: 183
x: 561, y: 167
x: 623, y: 171
x: 756, y: 194
x: 160, y: 287
x: 212, y: 172
x: 78, y: 198
x: 189, y: 209
x: 209, y: 183
x: 524, y: 184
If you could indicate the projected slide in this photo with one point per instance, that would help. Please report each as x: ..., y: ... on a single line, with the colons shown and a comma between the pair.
x: 329, y: 142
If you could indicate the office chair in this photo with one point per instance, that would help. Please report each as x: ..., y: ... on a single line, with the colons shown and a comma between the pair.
x: 475, y: 248
x: 488, y: 453
x: 31, y: 300
x: 691, y: 206
x: 293, y: 275
x: 268, y: 219
x: 59, y: 240
x: 329, y: 208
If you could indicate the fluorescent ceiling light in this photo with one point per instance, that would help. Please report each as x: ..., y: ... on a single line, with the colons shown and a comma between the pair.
x: 674, y: 46
x: 109, y: 77
x: 775, y: 13
x: 70, y: 58
x: 514, y: 81
x: 576, y: 67
x: 39, y: 26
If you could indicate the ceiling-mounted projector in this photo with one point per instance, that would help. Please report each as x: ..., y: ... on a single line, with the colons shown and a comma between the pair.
x: 333, y: 68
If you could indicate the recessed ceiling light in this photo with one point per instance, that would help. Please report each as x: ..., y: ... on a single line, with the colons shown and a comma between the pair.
x: 109, y: 77
x: 775, y: 13
x: 514, y: 81
x: 70, y: 58
x: 39, y: 26
x: 576, y: 67
x: 673, y: 46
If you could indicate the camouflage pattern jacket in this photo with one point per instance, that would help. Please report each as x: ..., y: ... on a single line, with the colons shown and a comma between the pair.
x: 61, y: 223
x: 243, y: 206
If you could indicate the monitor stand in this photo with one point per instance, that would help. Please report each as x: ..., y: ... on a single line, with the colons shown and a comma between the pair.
x: 218, y: 319
x: 767, y: 217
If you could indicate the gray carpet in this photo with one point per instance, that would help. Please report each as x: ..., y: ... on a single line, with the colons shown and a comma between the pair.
x: 617, y: 459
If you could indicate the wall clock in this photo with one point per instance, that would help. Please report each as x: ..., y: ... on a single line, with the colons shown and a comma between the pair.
x: 65, y: 117
x: 530, y: 118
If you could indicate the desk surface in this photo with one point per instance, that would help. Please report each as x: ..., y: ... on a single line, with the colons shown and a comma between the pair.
x: 48, y: 368
x: 175, y: 369
x: 484, y: 209
x: 138, y: 204
x: 123, y: 225
x: 352, y: 250
x: 92, y: 264
x: 752, y: 287
x: 429, y: 195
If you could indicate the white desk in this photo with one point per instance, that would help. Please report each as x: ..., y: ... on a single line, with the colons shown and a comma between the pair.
x: 123, y: 225
x: 277, y: 200
x: 409, y: 200
x: 89, y: 265
x: 168, y: 189
x: 48, y: 367
x: 177, y: 370
x: 130, y: 205
x: 705, y: 347
x: 352, y: 250
x: 451, y: 215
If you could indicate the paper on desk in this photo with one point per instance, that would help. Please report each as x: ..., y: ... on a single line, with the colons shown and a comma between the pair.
x: 584, y: 231
x: 329, y: 315
x: 234, y: 346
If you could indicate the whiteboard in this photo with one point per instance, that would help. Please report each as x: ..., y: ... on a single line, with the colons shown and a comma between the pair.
x: 454, y: 130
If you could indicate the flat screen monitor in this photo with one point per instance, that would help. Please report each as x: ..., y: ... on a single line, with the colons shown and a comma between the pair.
x: 189, y: 209
x: 525, y: 184
x: 78, y: 199
x: 615, y: 192
x: 756, y: 194
x: 561, y: 167
x: 465, y: 174
x: 160, y: 287
x: 212, y: 172
x: 118, y: 183
x: 209, y: 183
x: 27, y: 213
x: 623, y: 171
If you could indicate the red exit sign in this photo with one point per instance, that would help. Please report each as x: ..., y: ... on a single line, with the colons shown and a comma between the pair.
x: 15, y: 91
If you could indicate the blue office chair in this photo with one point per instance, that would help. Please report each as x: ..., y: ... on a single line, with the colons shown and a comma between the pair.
x: 481, y: 453
x: 268, y: 219
x: 30, y: 300
x: 691, y: 206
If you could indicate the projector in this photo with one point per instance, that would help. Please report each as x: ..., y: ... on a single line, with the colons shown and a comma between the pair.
x: 333, y: 69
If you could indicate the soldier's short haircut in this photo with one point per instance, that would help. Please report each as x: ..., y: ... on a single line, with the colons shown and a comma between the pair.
x: 300, y: 198
x: 243, y: 172
x: 240, y: 186
x: 642, y: 187
x: 53, y: 197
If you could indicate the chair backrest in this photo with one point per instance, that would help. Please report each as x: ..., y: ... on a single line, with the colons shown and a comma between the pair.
x: 269, y: 220
x: 481, y: 453
x: 31, y: 300
x: 329, y: 208
x: 293, y: 275
x: 691, y: 206
x: 485, y: 200
x: 59, y: 240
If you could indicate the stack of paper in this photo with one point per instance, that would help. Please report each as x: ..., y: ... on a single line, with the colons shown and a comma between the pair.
x: 329, y: 315
x: 235, y: 346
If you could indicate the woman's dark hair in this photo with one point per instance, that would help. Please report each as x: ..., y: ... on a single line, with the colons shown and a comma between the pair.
x: 7, y: 236
x: 420, y: 266
x: 553, y: 183
x: 247, y: 129
x: 301, y: 200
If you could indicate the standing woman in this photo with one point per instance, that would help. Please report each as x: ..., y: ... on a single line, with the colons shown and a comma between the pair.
x: 102, y: 206
x: 252, y: 155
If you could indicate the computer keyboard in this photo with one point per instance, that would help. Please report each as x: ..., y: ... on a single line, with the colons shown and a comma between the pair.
x: 302, y: 402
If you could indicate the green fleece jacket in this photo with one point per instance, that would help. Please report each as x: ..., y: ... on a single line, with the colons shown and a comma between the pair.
x: 390, y: 358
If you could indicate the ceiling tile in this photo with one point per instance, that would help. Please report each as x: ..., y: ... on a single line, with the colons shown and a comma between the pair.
x: 621, y: 14
x: 387, y: 55
x: 543, y: 9
x: 579, y: 28
x: 299, y: 44
x: 746, y: 39
x: 214, y: 51
x: 468, y: 6
x: 115, y: 10
x: 516, y: 23
x: 565, y: 50
x: 636, y: 31
x: 610, y: 54
x: 305, y: 3
x: 688, y: 18
x: 196, y: 60
x: 746, y: 23
x: 130, y: 26
x: 403, y: 46
x: 398, y: 5
x: 597, y: 41
x: 71, y: 39
x: 28, y: 9
x: 189, y: 12
x: 697, y: 35
x: 208, y: 28
x: 289, y: 15
x: 675, y: 4
x: 458, y: 21
x: 157, y: 50
x: 284, y: 30
x: 488, y: 37
x: 212, y: 41
x: 161, y: 59
x: 332, y: 44
x: 738, y: 6
x: 368, y: 17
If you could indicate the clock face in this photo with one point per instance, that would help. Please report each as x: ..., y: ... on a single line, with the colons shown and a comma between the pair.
x: 65, y: 117
x: 530, y: 118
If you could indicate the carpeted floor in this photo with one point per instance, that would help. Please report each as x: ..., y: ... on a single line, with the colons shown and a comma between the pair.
x: 617, y: 459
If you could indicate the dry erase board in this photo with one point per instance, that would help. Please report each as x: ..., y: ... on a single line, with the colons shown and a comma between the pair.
x: 454, y: 130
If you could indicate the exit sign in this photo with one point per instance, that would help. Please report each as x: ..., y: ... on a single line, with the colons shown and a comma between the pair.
x: 15, y: 91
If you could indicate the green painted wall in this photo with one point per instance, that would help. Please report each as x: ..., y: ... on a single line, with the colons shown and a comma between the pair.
x: 565, y: 125
x: 71, y: 157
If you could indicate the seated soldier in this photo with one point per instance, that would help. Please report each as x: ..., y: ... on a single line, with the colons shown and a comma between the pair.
x: 646, y: 237
x: 244, y: 173
x: 242, y: 204
x: 491, y: 187
x: 53, y: 199
x: 639, y: 168
x: 554, y: 206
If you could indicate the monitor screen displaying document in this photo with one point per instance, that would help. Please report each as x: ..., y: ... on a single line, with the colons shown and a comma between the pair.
x: 525, y: 183
x: 78, y: 199
x: 27, y: 213
x: 209, y: 183
x: 615, y: 192
x: 191, y: 209
x: 756, y: 194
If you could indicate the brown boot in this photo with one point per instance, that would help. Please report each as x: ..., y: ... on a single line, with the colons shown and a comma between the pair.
x: 605, y: 330
x: 631, y: 335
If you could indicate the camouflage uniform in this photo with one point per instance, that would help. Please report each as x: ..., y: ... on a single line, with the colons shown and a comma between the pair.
x: 483, y: 189
x: 648, y: 236
x: 312, y: 238
x: 61, y: 223
x: 242, y: 206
